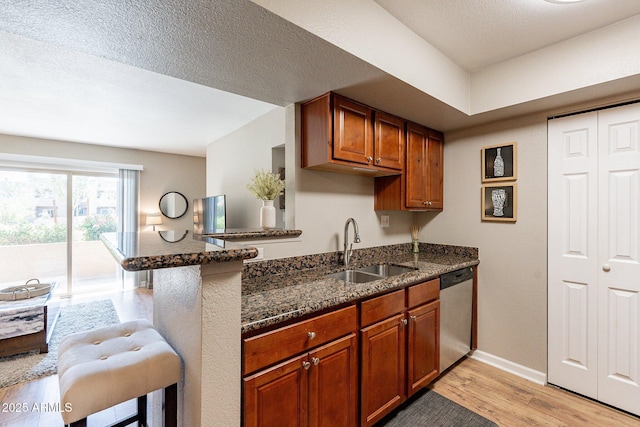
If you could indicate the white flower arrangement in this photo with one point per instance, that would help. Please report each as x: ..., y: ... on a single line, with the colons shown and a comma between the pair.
x: 266, y: 185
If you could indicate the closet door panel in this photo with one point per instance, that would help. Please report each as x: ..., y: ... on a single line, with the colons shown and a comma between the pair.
x: 619, y: 257
x: 572, y: 263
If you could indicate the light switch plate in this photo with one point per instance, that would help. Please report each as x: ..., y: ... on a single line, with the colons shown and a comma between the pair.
x: 384, y: 221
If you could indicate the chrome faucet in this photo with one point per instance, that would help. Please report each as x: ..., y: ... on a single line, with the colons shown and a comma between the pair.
x: 356, y: 239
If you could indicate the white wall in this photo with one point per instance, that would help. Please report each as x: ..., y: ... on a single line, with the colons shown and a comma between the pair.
x: 512, y: 300
x: 512, y: 272
x: 363, y: 28
x: 320, y: 203
x: 594, y: 58
x: 232, y: 160
x: 162, y: 172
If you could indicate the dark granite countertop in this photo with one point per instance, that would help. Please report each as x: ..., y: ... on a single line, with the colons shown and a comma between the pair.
x: 253, y: 233
x: 270, y: 297
x: 150, y: 250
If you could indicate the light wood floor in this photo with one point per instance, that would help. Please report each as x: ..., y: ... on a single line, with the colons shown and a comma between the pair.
x: 509, y: 400
x: 506, y: 399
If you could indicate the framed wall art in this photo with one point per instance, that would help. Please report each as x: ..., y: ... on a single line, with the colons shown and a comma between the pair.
x: 499, y: 162
x: 500, y: 202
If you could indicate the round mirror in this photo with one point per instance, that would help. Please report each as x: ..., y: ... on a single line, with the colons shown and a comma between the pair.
x: 173, y: 204
x: 173, y: 236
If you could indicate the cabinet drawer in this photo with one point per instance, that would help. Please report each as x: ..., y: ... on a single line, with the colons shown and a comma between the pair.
x: 379, y: 308
x: 424, y: 292
x: 274, y: 346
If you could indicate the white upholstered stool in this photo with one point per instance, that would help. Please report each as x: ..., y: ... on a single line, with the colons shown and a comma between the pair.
x: 101, y: 368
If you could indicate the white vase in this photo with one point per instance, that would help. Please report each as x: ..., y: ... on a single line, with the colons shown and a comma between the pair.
x: 267, y: 214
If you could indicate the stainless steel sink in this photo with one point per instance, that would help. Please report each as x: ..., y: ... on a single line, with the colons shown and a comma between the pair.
x: 386, y: 270
x: 370, y: 273
x: 354, y: 276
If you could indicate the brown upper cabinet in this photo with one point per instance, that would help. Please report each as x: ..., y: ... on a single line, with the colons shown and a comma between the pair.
x: 341, y: 135
x: 389, y: 141
x: 421, y: 185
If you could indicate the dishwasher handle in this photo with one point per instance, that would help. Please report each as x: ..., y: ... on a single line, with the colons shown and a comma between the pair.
x: 450, y: 279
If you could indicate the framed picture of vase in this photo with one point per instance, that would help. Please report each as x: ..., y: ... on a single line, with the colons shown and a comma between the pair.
x: 500, y: 202
x: 499, y: 162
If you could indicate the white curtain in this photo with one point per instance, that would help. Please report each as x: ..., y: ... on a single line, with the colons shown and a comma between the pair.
x: 128, y: 200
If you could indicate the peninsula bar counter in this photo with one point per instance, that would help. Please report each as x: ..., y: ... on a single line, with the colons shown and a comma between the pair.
x: 197, y: 309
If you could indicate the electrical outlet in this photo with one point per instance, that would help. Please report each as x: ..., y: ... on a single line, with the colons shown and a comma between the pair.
x: 384, y: 221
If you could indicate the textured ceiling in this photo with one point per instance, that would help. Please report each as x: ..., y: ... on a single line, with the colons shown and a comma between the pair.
x: 97, y: 72
x: 232, y: 45
x: 54, y: 93
x: 165, y: 74
x: 475, y: 34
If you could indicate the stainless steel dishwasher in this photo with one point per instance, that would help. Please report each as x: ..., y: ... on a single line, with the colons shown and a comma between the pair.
x: 456, y: 299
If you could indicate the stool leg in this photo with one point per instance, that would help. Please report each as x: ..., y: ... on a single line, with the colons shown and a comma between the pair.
x: 142, y: 410
x: 170, y: 405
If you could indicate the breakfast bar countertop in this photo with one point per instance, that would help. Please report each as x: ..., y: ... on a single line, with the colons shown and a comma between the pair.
x: 271, y: 297
x: 149, y: 250
x: 253, y: 233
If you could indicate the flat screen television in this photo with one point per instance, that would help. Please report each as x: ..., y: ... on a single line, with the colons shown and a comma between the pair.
x: 209, y: 215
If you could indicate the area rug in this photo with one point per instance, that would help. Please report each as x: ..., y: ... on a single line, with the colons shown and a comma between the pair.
x: 75, y: 318
x: 428, y: 408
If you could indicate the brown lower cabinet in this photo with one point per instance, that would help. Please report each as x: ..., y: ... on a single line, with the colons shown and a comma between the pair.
x: 310, y: 373
x: 318, y: 387
x: 423, y: 355
x: 400, y: 350
x: 383, y: 368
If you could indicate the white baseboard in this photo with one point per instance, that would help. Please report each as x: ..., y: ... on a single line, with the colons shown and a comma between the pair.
x: 511, y: 367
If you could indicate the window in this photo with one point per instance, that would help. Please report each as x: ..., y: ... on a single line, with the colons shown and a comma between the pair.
x: 41, y: 237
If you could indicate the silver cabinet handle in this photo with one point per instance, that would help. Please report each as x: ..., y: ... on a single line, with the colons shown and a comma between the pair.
x: 369, y: 159
x: 311, y: 335
x: 378, y: 160
x: 306, y: 364
x: 606, y: 267
x: 315, y: 360
x: 414, y: 318
x: 404, y: 321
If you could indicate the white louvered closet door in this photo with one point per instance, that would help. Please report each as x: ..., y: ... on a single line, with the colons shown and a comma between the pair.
x: 594, y: 255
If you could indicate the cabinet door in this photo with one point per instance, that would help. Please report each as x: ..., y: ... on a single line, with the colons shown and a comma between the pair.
x: 352, y: 131
x: 423, y: 346
x: 435, y: 162
x: 416, y: 167
x: 389, y: 141
x: 278, y: 396
x: 424, y: 187
x: 382, y: 368
x: 333, y: 384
